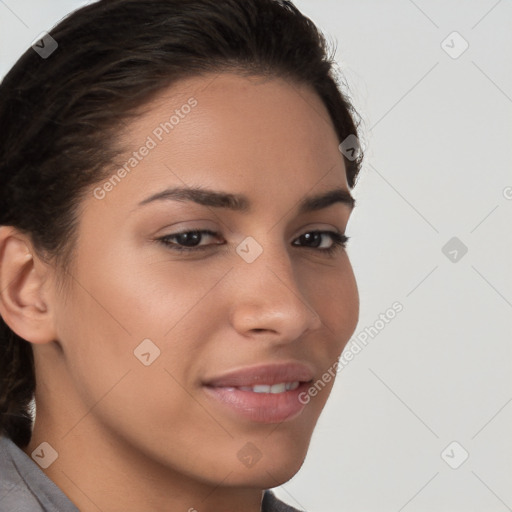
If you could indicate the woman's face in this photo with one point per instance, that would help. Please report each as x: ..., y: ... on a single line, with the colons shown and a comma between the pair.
x: 157, y: 343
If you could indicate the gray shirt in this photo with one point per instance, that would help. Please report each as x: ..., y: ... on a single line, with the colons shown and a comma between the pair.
x: 24, y: 487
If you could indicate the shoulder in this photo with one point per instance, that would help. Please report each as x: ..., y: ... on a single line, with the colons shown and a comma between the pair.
x: 271, y: 503
x: 24, y: 487
x: 15, y: 495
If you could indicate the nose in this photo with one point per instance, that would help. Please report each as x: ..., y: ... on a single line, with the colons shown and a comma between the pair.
x: 269, y: 300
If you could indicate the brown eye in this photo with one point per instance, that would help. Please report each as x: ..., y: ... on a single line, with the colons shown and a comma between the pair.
x: 315, y: 238
x: 188, y: 240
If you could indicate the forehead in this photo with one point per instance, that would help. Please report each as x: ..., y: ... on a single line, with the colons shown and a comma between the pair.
x: 243, y: 134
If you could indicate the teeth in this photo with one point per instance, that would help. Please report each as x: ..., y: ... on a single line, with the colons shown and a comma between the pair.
x: 276, y: 388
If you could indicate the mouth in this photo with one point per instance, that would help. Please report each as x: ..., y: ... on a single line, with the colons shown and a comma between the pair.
x: 276, y: 374
x: 274, y: 388
x: 263, y: 394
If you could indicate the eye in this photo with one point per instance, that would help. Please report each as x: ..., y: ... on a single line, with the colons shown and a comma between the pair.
x: 188, y: 241
x: 337, y: 241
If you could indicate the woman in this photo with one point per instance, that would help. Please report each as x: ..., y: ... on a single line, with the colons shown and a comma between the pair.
x: 175, y: 188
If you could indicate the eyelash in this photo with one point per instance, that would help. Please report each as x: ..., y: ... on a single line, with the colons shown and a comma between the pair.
x: 339, y: 241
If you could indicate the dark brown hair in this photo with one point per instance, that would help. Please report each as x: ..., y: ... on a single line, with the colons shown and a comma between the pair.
x: 60, y: 116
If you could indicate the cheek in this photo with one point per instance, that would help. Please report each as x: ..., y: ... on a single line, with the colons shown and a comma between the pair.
x: 336, y: 299
x: 122, y: 301
x: 137, y: 297
x: 105, y: 320
x: 349, y: 298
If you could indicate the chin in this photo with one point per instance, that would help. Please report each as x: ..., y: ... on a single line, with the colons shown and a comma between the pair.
x: 284, y: 471
x: 272, y: 473
x: 279, y: 463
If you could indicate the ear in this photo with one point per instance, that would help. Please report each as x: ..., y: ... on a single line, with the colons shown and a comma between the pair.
x: 24, y: 288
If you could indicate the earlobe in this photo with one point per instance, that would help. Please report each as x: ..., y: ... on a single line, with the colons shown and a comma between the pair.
x: 23, y: 288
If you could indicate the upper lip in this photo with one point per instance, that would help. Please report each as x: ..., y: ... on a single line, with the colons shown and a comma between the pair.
x: 263, y: 374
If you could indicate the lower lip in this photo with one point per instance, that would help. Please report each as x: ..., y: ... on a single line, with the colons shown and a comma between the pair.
x: 261, y: 407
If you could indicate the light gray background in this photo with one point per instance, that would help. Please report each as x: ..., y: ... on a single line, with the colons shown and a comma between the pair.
x: 437, y: 132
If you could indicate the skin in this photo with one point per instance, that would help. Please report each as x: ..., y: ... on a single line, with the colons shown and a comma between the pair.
x: 132, y: 437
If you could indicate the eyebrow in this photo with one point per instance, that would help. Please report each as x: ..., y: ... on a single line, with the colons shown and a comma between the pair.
x: 241, y: 203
